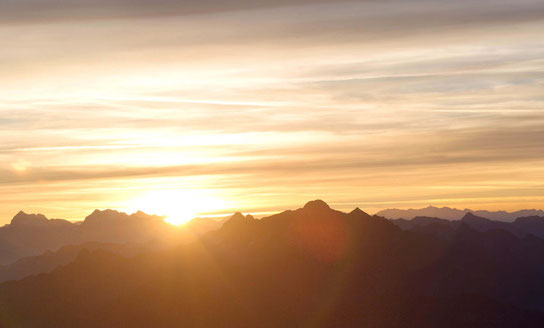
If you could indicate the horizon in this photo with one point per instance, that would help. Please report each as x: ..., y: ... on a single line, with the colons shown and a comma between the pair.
x: 259, y: 215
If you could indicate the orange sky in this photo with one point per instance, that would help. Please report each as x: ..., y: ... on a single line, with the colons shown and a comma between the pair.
x: 218, y: 106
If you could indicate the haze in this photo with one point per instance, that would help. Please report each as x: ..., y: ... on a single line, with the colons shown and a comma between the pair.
x: 190, y: 109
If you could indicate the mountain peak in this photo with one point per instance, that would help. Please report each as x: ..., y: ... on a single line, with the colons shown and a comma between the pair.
x: 238, y: 219
x: 471, y: 217
x: 22, y: 218
x: 237, y: 216
x: 317, y: 204
x: 358, y: 212
x: 106, y: 211
x: 98, y: 217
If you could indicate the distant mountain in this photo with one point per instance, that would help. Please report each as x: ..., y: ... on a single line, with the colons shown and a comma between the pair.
x: 49, y: 260
x: 32, y: 234
x: 521, y: 227
x: 456, y: 214
x: 313, y: 266
x: 203, y: 225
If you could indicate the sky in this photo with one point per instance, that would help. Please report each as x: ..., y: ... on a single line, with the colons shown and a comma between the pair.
x: 188, y: 108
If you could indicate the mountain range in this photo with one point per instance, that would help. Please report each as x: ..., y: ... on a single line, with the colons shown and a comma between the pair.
x: 521, y: 227
x: 456, y: 214
x: 32, y: 234
x: 313, y: 266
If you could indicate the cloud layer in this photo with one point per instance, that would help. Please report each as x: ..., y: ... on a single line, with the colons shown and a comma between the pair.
x: 268, y: 104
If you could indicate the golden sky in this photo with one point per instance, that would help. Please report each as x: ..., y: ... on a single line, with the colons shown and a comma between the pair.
x: 186, y: 107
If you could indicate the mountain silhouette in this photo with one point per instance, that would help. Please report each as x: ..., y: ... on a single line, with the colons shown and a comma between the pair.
x: 456, y: 214
x: 313, y: 266
x: 32, y: 234
x: 22, y: 219
x: 521, y: 227
x: 48, y: 261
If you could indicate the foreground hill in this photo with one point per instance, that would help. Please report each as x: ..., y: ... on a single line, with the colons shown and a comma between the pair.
x: 313, y: 267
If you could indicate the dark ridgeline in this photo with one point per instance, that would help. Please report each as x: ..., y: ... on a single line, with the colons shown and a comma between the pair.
x: 32, y: 234
x: 32, y: 244
x: 312, y: 267
x: 456, y: 214
x: 521, y: 227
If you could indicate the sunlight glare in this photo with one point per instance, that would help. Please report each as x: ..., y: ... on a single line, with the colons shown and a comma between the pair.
x: 178, y: 205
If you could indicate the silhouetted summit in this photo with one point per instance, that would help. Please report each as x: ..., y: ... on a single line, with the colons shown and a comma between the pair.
x: 112, y: 217
x: 237, y: 217
x: 316, y: 205
x: 237, y: 220
x: 357, y: 212
x: 23, y: 219
x: 473, y: 218
x: 33, y: 234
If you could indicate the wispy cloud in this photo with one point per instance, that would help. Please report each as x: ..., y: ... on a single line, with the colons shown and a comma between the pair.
x: 271, y: 103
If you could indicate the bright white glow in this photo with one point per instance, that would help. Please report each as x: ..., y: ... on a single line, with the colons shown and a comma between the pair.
x: 178, y: 205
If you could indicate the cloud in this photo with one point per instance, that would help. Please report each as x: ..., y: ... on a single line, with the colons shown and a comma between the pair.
x: 504, y: 144
x: 69, y: 9
x: 270, y: 101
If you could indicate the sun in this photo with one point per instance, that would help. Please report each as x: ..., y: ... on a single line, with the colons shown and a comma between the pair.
x: 178, y: 205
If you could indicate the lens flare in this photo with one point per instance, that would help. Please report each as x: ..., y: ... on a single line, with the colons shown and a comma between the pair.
x: 178, y: 205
